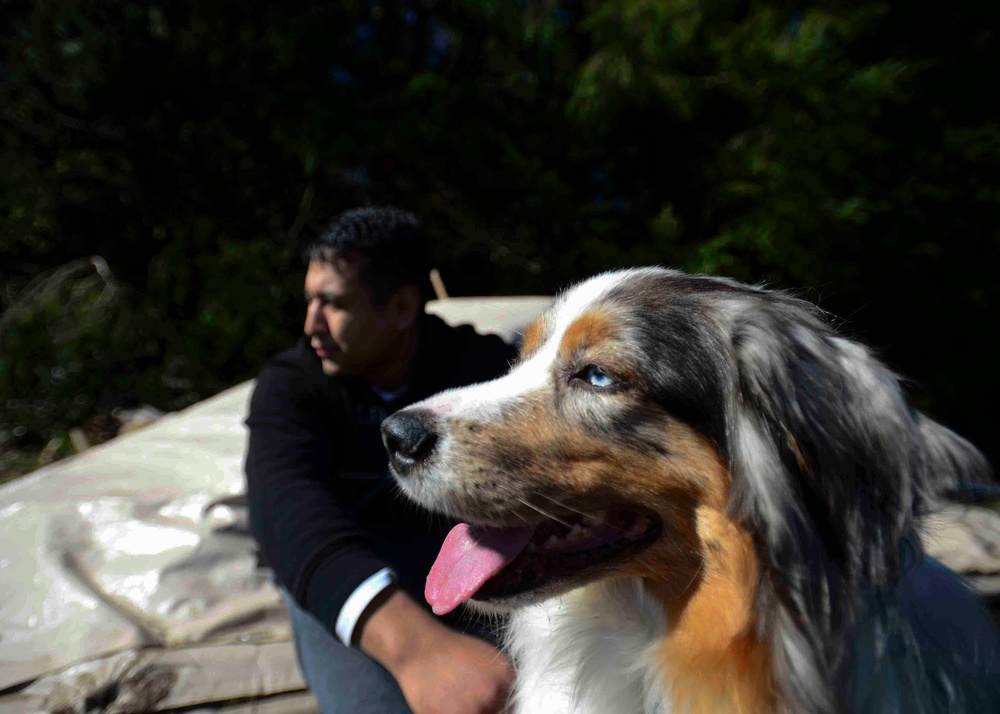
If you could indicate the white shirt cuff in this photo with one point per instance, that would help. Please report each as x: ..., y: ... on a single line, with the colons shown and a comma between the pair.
x: 358, y: 602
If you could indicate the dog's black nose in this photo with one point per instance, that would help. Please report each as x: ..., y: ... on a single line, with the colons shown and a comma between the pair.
x: 409, y: 438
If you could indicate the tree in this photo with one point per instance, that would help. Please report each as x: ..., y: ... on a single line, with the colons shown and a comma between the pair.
x: 850, y: 150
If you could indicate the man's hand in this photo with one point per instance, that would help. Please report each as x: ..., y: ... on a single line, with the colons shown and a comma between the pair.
x: 440, y: 671
x: 458, y: 674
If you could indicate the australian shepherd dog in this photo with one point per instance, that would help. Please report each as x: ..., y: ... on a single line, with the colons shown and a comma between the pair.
x: 694, y: 495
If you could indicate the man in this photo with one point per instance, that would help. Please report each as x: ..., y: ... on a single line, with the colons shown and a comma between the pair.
x: 349, y: 556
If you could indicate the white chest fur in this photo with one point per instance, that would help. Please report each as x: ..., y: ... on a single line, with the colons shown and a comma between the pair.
x: 591, y: 651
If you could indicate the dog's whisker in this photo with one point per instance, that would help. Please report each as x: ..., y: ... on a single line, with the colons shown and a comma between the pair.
x: 524, y: 502
x: 542, y: 511
x: 556, y: 502
x: 523, y: 518
x: 559, y: 503
x: 701, y: 568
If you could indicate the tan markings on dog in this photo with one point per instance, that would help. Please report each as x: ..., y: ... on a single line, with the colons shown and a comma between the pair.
x: 544, y: 457
x: 533, y: 338
x: 703, y: 568
x: 589, y: 330
x: 716, y: 662
x: 533, y: 462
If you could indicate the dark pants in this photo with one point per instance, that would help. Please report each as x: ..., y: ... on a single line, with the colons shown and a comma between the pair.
x: 343, y: 680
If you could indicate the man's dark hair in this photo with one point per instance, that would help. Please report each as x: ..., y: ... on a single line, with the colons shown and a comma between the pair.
x: 390, y: 244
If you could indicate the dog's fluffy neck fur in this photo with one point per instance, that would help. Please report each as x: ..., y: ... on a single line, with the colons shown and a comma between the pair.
x: 712, y: 654
x: 615, y: 646
x: 623, y: 645
x: 593, y: 650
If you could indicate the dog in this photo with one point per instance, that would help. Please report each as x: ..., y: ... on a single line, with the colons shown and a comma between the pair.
x: 695, y: 495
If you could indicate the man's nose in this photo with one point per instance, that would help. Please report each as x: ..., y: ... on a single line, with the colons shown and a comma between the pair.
x: 409, y: 438
x: 314, y: 314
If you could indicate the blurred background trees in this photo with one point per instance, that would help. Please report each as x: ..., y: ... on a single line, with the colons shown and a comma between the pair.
x: 164, y: 164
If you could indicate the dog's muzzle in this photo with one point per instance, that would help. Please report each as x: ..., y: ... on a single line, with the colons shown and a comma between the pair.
x: 409, y: 438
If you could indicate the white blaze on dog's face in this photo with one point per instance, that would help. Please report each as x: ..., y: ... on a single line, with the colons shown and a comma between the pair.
x: 582, y: 462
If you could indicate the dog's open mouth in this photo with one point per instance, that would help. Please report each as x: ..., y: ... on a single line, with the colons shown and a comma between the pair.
x: 498, y: 562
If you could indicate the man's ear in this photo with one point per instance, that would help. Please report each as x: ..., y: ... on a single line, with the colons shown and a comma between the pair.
x: 405, y: 306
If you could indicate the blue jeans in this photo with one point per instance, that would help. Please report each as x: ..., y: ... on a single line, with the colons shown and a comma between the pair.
x: 343, y: 680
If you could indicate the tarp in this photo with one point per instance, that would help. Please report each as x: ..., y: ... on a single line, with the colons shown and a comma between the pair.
x: 128, y: 578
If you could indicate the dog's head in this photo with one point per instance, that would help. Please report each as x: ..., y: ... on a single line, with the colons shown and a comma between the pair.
x: 686, y: 429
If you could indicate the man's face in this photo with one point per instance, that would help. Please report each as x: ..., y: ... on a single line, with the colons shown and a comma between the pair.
x: 348, y: 332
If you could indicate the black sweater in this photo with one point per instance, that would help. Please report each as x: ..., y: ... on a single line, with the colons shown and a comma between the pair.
x: 322, y: 503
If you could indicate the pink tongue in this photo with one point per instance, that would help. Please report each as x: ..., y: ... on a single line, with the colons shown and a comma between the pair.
x: 468, y: 558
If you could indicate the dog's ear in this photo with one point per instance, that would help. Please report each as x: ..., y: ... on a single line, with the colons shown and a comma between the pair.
x: 831, y: 464
x: 953, y: 463
x: 823, y: 453
x: 826, y: 426
x: 823, y: 432
x: 824, y: 437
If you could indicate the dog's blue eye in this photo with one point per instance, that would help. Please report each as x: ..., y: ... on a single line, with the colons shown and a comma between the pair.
x: 597, y: 378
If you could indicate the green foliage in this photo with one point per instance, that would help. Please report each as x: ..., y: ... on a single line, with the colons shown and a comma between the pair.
x: 850, y: 148
x: 67, y: 349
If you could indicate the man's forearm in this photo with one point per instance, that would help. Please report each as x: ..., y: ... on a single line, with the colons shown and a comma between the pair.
x: 396, y: 629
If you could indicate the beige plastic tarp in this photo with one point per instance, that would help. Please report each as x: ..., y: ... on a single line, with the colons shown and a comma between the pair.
x: 128, y: 580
